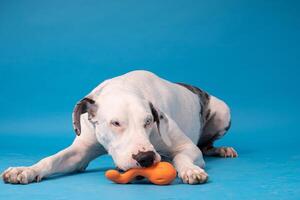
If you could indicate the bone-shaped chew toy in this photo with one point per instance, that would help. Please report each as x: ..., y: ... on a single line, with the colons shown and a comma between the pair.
x: 161, y: 173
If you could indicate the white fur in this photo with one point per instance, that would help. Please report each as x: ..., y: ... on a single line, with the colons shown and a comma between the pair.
x: 126, y: 99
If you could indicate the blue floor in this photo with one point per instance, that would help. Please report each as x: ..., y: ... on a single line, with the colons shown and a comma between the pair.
x: 267, y: 168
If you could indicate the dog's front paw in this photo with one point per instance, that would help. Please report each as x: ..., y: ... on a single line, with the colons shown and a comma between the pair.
x: 20, y: 175
x: 193, y: 175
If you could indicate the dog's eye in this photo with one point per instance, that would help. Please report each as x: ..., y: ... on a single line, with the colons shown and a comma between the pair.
x: 148, y: 122
x: 115, y: 123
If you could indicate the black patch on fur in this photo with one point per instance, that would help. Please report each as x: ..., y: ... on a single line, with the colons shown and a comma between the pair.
x: 207, y: 114
x: 204, y: 98
x: 228, y: 127
x: 155, y: 115
x: 84, y: 105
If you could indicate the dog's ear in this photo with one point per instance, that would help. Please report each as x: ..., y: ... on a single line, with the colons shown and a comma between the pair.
x: 162, y: 123
x: 85, y: 105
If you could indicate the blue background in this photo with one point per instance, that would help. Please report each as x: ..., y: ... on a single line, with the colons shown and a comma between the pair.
x: 54, y: 52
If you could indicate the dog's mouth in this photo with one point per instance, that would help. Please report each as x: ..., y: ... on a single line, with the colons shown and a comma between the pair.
x: 120, y: 170
x: 137, y: 178
x: 156, y: 160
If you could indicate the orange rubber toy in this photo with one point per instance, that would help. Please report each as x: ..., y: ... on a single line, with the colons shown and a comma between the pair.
x: 161, y: 173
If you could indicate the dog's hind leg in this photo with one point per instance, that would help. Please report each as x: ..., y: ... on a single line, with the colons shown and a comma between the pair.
x: 217, y: 123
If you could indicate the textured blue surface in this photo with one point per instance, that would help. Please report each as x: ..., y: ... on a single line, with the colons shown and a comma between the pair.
x: 246, y: 52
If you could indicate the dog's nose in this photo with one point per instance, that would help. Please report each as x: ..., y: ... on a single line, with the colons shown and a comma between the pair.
x: 145, y: 159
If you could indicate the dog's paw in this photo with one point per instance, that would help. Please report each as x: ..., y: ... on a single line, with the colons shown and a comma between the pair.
x: 227, y: 152
x: 20, y: 175
x: 193, y: 175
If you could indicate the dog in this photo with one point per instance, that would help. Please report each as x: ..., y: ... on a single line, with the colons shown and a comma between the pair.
x: 140, y: 119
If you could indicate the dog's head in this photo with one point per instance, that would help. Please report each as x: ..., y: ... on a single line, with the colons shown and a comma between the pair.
x: 123, y: 124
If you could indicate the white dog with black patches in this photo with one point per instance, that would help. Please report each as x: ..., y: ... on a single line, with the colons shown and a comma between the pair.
x: 140, y: 119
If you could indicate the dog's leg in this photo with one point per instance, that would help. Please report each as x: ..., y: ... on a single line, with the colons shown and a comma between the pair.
x: 188, y: 161
x: 218, y: 123
x: 74, y: 158
x: 187, y: 157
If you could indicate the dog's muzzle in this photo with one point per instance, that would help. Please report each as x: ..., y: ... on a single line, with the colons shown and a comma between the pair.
x: 144, y: 159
